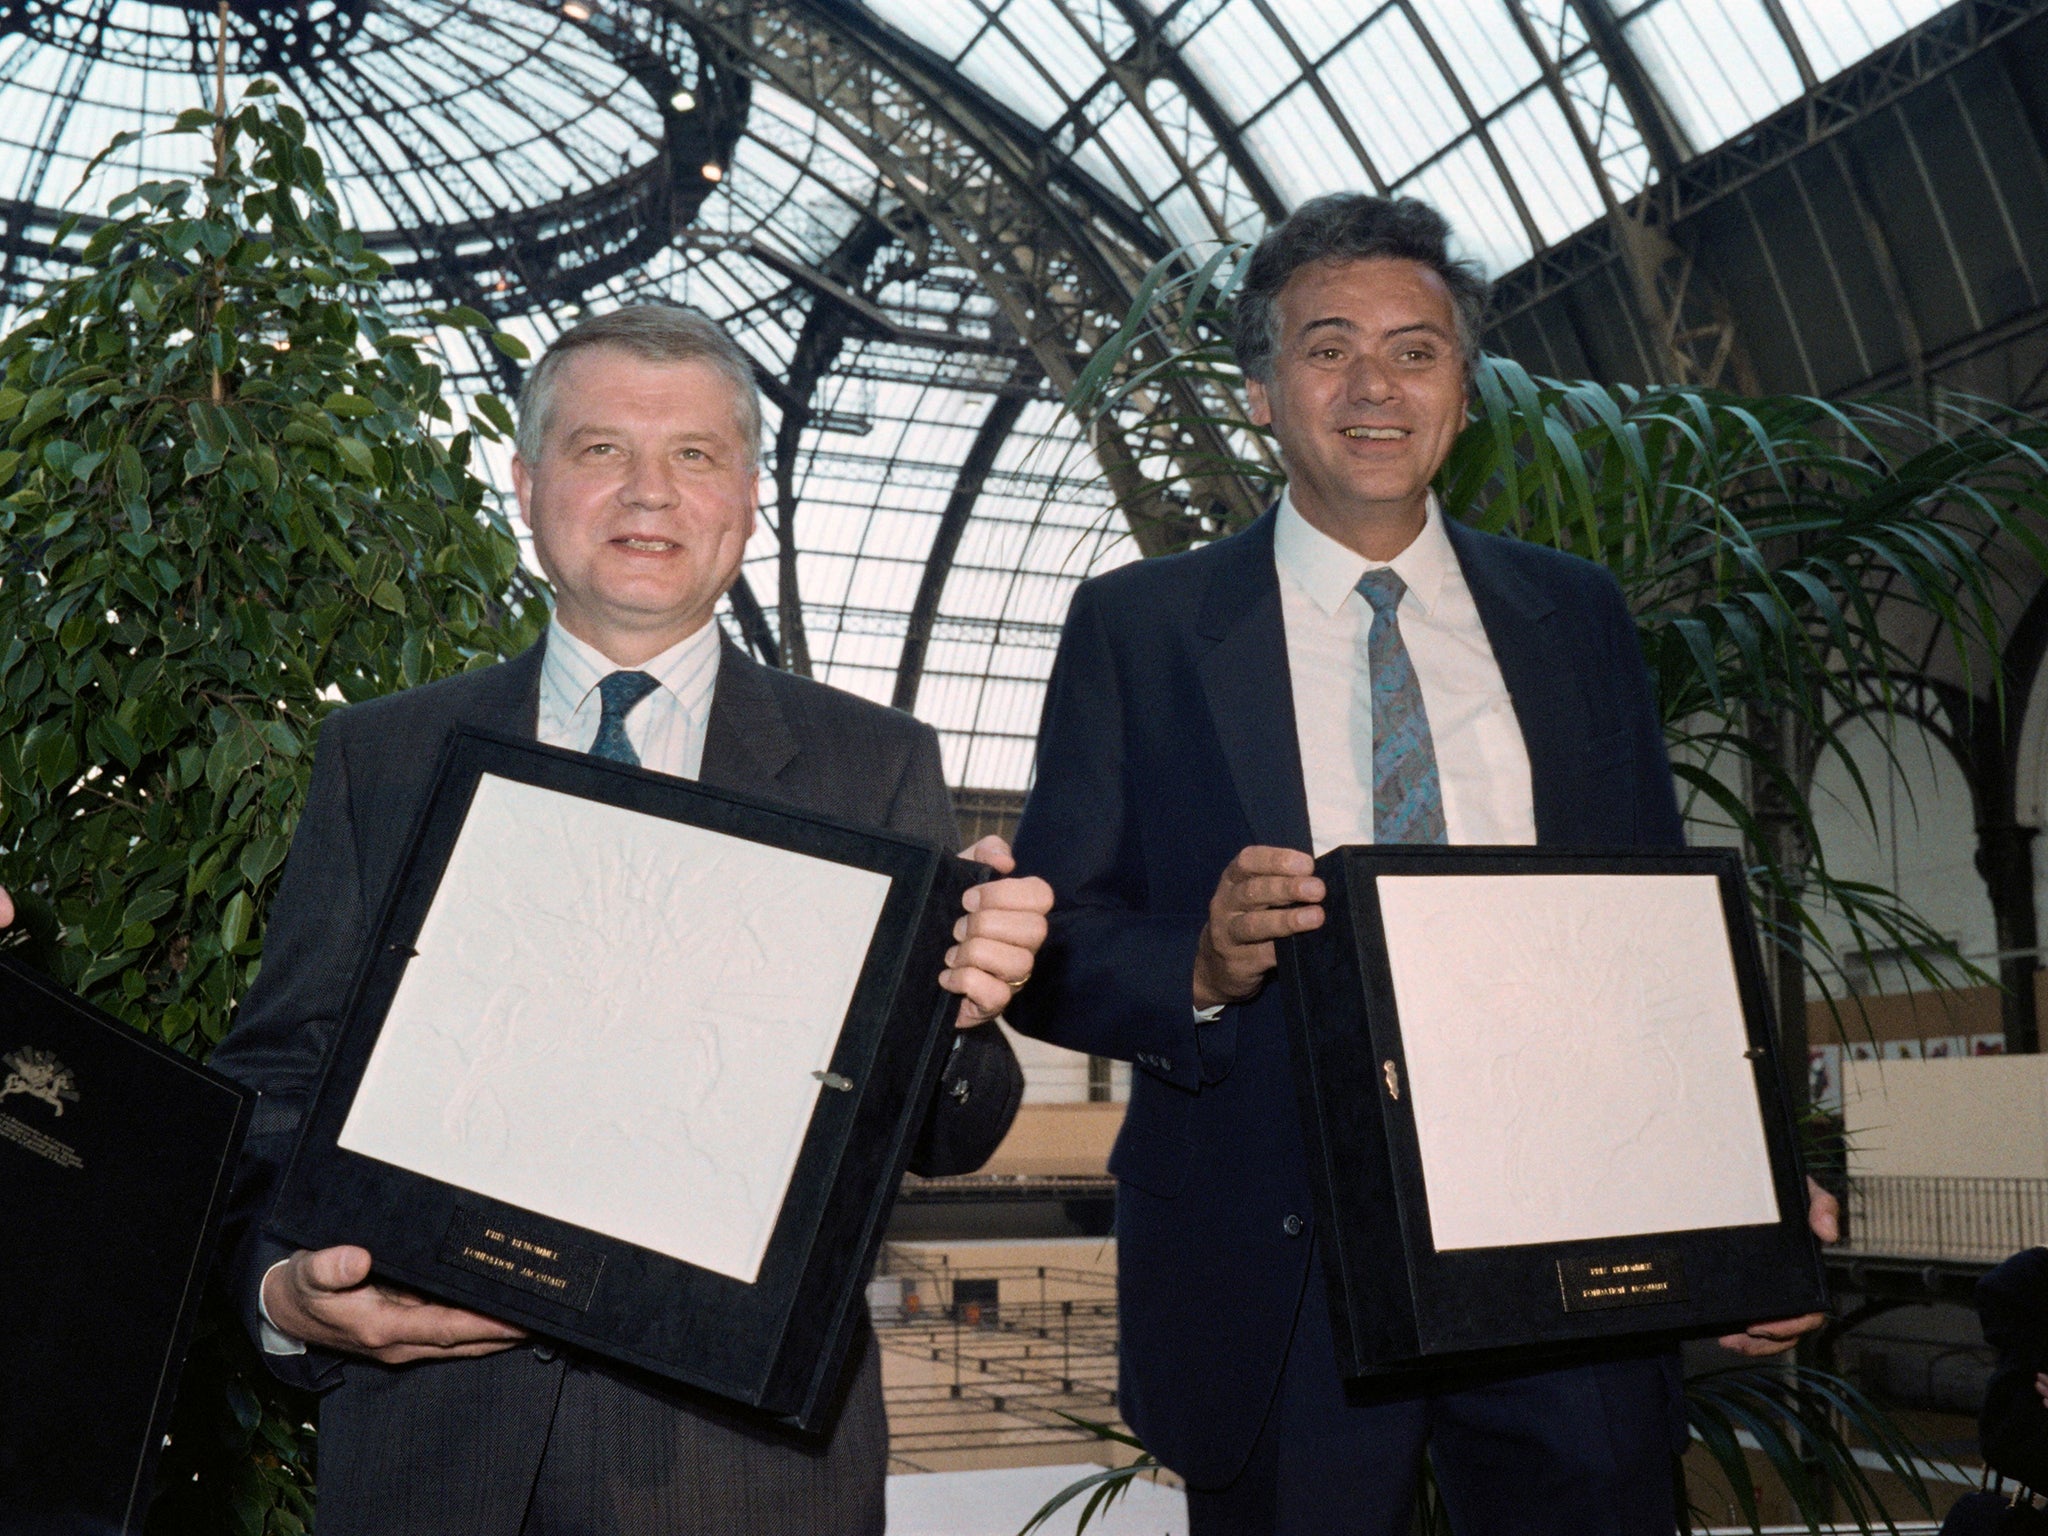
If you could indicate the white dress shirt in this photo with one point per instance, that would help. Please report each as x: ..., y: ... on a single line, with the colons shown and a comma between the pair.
x: 1480, y: 757
x: 666, y: 729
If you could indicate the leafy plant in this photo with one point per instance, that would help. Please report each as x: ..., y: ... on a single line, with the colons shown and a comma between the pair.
x: 1100, y: 1489
x: 1805, y: 1423
x: 226, y: 506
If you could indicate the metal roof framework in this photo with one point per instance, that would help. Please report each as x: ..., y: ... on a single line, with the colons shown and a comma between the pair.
x: 920, y: 215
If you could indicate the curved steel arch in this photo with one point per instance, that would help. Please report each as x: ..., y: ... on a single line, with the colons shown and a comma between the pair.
x: 1061, y: 269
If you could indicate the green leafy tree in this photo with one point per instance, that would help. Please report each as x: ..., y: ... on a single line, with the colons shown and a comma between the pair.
x: 232, y: 497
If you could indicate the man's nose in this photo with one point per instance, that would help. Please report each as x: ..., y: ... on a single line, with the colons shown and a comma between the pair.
x: 1372, y: 382
x: 650, y: 482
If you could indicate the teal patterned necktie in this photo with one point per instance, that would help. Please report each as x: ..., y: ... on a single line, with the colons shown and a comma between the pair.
x: 620, y: 691
x: 1407, y: 796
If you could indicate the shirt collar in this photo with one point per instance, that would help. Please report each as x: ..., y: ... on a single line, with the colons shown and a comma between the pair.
x: 688, y: 669
x: 1328, y: 571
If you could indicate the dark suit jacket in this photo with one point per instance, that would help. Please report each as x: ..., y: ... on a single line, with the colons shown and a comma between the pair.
x: 2012, y: 1304
x: 1168, y: 745
x: 770, y: 734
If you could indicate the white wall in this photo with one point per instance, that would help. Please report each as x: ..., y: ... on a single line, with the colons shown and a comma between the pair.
x: 1922, y: 844
x: 1973, y: 1116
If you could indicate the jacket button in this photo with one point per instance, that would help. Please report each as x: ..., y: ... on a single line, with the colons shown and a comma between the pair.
x: 1292, y: 1225
x: 1165, y: 1065
x: 545, y: 1353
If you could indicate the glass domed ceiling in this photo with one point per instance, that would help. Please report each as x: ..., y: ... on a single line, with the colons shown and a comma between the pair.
x: 1503, y: 113
x: 538, y: 158
x: 444, y: 120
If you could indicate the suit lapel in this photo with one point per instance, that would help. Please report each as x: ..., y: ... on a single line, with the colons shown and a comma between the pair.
x: 506, y: 698
x: 747, y: 742
x: 1241, y: 644
x: 1521, y: 624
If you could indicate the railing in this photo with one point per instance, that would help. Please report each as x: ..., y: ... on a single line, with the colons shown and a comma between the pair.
x: 1968, y: 1220
x: 990, y: 1358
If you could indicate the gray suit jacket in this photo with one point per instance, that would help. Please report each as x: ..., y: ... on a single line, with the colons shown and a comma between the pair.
x: 458, y: 1446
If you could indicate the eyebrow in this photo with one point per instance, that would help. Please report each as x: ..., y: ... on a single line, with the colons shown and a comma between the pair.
x: 1339, y: 323
x: 598, y: 429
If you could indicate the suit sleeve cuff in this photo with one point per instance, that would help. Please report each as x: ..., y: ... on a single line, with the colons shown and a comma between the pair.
x: 1216, y: 1040
x: 275, y: 1340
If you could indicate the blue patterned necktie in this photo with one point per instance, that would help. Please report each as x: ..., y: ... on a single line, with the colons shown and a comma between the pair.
x: 620, y: 692
x: 1407, y: 795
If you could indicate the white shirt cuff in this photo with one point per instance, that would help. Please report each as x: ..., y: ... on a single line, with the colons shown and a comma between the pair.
x: 275, y: 1340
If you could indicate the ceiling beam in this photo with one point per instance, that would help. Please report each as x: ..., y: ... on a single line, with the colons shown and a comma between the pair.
x: 1892, y: 72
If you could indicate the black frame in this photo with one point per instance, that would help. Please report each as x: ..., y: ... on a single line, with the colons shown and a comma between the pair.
x: 117, y: 1255
x: 1395, y: 1301
x: 778, y: 1344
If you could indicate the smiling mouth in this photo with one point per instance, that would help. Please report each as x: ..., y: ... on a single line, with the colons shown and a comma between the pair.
x: 648, y: 546
x: 1377, y: 434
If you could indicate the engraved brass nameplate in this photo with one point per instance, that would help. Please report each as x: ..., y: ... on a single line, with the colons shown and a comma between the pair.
x: 1620, y: 1280
x: 491, y: 1246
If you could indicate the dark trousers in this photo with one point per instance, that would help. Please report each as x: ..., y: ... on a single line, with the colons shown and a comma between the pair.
x: 1583, y: 1451
x: 526, y: 1443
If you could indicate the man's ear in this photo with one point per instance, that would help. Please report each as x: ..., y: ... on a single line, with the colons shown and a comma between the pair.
x: 1260, y: 402
x: 522, y: 490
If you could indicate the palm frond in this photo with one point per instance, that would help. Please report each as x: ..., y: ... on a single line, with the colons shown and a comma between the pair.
x: 1807, y: 1425
x: 1099, y: 1489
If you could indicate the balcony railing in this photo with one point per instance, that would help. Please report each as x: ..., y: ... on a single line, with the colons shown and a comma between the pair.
x: 1970, y: 1220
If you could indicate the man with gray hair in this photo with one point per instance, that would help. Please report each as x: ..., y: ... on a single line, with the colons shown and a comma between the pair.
x: 637, y: 473
x: 1353, y: 667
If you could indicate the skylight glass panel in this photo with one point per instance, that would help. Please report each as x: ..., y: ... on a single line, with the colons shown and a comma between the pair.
x: 1837, y: 33
x: 1241, y: 59
x: 944, y: 26
x: 1483, y: 48
x: 1049, y: 37
x: 1545, y: 164
x: 1396, y: 97
x: 1184, y: 217
x: 1465, y: 188
x: 1129, y: 137
x: 1302, y: 150
x: 1719, y: 64
x: 998, y: 66
x: 1317, y: 26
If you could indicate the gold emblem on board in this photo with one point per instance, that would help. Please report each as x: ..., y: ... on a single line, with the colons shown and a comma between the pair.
x: 40, y: 1075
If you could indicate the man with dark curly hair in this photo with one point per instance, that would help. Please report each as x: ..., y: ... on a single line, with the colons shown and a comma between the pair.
x: 1351, y: 668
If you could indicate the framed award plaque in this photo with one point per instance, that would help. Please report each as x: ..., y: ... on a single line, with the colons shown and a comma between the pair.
x: 116, y: 1157
x: 1543, y: 1103
x: 636, y: 1065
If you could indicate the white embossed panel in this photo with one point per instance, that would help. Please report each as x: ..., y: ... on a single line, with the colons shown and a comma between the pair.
x: 1574, y: 1047
x: 614, y: 1019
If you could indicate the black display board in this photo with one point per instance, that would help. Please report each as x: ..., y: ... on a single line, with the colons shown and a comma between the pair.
x: 777, y: 1343
x: 116, y: 1157
x: 1397, y: 1300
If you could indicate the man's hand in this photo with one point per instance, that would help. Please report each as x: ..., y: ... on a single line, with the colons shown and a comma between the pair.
x: 998, y: 940
x: 1265, y: 894
x: 6, y: 907
x: 327, y: 1298
x: 1760, y: 1340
